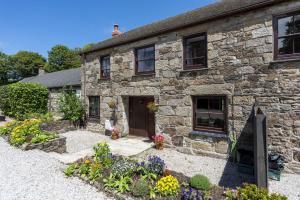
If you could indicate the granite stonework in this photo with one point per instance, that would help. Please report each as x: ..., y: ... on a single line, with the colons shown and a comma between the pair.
x: 57, y: 145
x: 240, y: 67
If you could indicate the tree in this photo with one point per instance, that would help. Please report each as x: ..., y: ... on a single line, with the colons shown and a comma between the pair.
x: 61, y: 57
x: 4, y: 68
x: 28, y: 63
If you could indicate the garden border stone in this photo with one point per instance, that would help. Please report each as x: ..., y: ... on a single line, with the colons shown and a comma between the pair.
x: 56, y: 145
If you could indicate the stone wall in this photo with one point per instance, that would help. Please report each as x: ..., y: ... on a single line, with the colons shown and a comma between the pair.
x: 56, y: 145
x: 240, y: 67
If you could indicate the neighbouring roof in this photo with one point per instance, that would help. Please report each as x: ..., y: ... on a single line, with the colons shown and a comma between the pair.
x: 214, y: 11
x: 69, y: 77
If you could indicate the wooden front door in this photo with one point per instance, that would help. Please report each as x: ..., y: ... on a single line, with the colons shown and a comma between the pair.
x: 141, y: 121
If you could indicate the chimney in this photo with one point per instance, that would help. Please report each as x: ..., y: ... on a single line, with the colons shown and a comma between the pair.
x: 41, y: 70
x: 116, y: 31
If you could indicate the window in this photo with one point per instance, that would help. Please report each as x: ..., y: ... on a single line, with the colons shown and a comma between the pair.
x: 145, y: 60
x: 209, y: 113
x: 287, y: 36
x: 195, y: 51
x: 105, y: 67
x: 94, y: 107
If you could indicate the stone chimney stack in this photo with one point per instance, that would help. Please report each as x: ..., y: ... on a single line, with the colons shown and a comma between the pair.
x: 116, y: 31
x: 41, y: 70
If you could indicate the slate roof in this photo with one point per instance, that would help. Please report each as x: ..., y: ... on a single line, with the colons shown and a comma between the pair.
x: 69, y: 77
x: 211, y: 12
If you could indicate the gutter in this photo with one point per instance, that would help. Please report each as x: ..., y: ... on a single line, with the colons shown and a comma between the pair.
x: 163, y: 31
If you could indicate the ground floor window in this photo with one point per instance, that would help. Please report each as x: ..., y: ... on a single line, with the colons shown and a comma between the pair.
x: 94, y: 107
x: 209, y: 113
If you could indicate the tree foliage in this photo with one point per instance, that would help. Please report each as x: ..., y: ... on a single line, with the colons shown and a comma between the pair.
x: 28, y: 63
x: 21, y: 99
x: 5, y: 67
x: 61, y: 57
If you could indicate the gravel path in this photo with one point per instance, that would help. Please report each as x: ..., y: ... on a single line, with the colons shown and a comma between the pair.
x: 33, y: 175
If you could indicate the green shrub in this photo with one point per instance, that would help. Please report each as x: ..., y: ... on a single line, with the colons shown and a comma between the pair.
x: 71, y: 106
x: 70, y: 170
x: 102, y: 154
x: 43, y: 137
x: 200, y: 182
x: 84, y: 168
x: 19, y: 99
x: 140, y: 188
x: 251, y: 191
x: 4, y: 99
x: 45, y: 118
x: 8, y: 127
x: 96, y: 170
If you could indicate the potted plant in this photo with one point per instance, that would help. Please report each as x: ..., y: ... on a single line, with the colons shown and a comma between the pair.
x: 112, y: 104
x: 115, y: 134
x: 152, y: 107
x: 159, y: 141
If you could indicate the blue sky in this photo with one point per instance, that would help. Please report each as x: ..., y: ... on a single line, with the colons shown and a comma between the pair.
x: 38, y: 25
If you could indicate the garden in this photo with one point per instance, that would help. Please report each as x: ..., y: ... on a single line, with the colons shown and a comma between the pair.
x: 126, y: 178
x: 33, y: 127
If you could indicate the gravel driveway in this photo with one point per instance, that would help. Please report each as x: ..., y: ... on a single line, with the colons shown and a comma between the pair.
x: 33, y: 175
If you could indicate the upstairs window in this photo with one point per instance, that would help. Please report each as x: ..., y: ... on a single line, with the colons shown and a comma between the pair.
x: 195, y: 51
x: 105, y: 67
x: 145, y: 60
x: 209, y: 113
x: 94, y: 106
x: 287, y: 36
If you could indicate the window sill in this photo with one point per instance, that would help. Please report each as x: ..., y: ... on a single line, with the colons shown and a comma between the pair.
x: 146, y: 74
x: 94, y: 119
x: 284, y: 64
x: 194, y: 70
x: 195, y: 134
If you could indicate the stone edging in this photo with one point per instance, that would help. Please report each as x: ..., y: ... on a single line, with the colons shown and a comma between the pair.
x: 57, y: 145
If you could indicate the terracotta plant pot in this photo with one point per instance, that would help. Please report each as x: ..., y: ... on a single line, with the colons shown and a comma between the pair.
x: 114, y: 137
x: 159, y: 146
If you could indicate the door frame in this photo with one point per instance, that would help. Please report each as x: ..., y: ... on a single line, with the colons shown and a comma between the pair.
x: 148, y: 115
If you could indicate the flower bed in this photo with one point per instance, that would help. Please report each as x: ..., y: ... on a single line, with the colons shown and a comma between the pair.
x: 28, y: 135
x: 125, y: 178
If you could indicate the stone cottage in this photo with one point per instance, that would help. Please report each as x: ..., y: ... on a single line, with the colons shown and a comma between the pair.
x: 205, y: 70
x: 55, y: 82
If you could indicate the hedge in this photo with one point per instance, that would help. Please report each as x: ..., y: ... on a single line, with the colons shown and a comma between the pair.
x: 20, y: 99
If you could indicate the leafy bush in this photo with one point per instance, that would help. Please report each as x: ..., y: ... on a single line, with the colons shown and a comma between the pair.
x: 140, y: 188
x: 167, y: 186
x: 4, y: 99
x: 123, y: 167
x: 95, y: 171
x: 84, y: 168
x: 29, y: 131
x: 45, y: 118
x: 200, y: 182
x: 8, y: 127
x: 145, y: 173
x: 70, y: 170
x: 156, y: 165
x: 71, y: 106
x: 102, y: 154
x: 43, y: 137
x: 120, y: 184
x: 251, y: 191
x: 23, y: 98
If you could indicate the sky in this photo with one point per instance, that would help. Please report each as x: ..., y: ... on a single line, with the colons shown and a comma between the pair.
x: 38, y: 25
